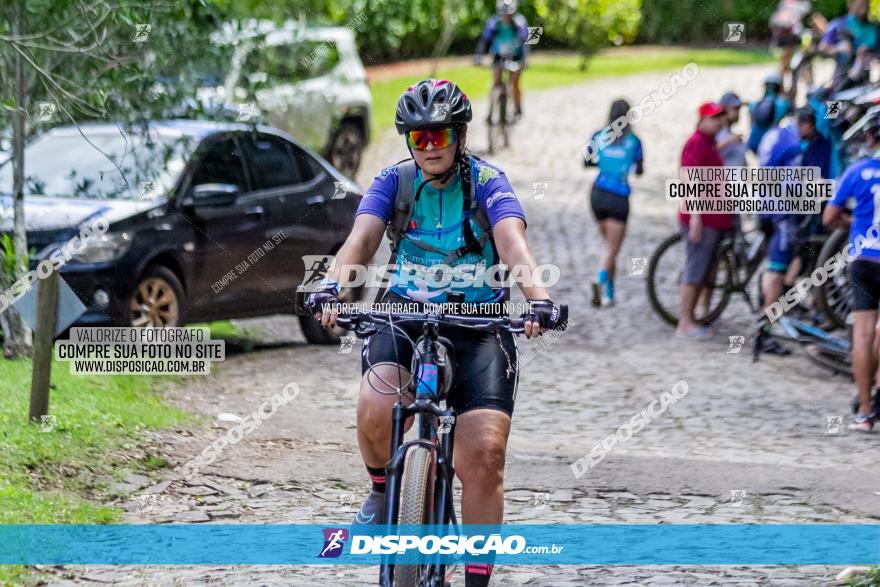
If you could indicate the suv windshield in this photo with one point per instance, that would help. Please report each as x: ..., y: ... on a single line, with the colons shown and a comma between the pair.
x: 101, y: 166
x: 290, y: 63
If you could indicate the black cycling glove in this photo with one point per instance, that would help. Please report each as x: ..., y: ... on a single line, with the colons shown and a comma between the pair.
x: 544, y: 312
x: 327, y: 295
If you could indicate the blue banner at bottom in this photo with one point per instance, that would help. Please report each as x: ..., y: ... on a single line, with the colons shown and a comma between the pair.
x: 523, y: 544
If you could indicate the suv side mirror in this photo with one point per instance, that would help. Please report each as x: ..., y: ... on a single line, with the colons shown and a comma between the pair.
x: 215, y: 194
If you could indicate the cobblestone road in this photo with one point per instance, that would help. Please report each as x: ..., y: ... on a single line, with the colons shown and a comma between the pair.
x: 757, y: 429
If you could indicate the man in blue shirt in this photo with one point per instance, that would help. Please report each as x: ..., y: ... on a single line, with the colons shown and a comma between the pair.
x: 795, y: 144
x: 860, y: 185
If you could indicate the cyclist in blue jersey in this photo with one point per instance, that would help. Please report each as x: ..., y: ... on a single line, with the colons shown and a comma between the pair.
x: 505, y: 37
x: 609, y: 198
x: 443, y: 233
x: 795, y: 144
x: 860, y: 185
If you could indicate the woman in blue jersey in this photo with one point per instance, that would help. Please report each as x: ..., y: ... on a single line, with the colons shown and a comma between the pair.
x: 453, y: 193
x: 609, y: 198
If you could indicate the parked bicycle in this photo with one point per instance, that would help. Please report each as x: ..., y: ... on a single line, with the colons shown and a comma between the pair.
x: 736, y: 261
x: 419, y: 475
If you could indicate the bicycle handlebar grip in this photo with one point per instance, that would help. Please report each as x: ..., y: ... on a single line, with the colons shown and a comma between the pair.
x: 562, y: 323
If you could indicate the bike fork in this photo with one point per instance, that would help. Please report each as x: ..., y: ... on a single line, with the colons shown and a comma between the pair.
x: 443, y: 505
x: 392, y: 483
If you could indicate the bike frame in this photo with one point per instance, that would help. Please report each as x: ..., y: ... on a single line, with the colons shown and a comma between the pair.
x: 752, y: 252
x: 428, y: 381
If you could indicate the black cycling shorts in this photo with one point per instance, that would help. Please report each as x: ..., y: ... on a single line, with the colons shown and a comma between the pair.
x: 606, y: 205
x: 485, y: 365
x: 865, y: 276
x: 518, y: 58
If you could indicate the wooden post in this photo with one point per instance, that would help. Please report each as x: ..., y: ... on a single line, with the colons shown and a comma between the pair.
x: 44, y: 338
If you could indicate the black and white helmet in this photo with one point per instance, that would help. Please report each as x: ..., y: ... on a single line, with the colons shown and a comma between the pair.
x: 432, y: 103
x: 506, y: 7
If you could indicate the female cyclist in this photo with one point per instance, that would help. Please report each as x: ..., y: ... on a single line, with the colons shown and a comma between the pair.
x: 433, y: 115
x: 610, y: 195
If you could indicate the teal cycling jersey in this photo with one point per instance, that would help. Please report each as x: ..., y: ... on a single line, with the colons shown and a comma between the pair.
x: 505, y: 41
x: 615, y: 163
x: 438, y: 215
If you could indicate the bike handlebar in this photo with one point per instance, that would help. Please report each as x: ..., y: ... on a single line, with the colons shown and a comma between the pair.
x: 361, y: 322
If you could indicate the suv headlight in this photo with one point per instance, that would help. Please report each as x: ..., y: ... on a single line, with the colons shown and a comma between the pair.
x: 104, y: 248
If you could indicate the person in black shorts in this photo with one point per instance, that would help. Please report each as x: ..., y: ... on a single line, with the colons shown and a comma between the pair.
x: 616, y: 151
x: 452, y: 190
x: 859, y: 184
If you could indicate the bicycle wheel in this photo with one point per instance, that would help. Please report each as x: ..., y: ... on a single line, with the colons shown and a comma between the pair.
x: 833, y: 298
x: 837, y: 361
x: 492, y: 119
x: 505, y: 137
x: 416, y: 497
x: 664, y: 279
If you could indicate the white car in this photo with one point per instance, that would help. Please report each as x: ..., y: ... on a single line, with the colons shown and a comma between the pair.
x: 308, y: 81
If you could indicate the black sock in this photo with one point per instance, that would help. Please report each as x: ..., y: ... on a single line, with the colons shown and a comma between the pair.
x: 477, y: 575
x: 377, y: 476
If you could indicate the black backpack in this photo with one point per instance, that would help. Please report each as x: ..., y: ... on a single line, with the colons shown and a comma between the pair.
x: 764, y: 114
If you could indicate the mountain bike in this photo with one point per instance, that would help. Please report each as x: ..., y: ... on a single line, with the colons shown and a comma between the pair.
x: 500, y: 118
x: 420, y: 473
x: 737, y: 259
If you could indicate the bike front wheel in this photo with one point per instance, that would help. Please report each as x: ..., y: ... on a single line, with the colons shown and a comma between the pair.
x: 664, y: 280
x: 416, y: 497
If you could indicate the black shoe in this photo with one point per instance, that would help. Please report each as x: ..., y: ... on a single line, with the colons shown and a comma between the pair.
x: 597, y: 295
x: 372, y: 511
x: 771, y: 347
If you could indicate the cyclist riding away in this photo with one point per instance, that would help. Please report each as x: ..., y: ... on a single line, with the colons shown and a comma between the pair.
x: 464, y: 214
x: 859, y: 184
x: 786, y: 29
x: 505, y: 39
x: 609, y: 198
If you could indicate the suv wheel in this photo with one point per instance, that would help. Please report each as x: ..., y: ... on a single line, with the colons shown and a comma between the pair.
x: 345, y: 148
x: 156, y: 300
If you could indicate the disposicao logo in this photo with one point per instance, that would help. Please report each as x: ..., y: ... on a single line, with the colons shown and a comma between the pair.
x: 334, y: 540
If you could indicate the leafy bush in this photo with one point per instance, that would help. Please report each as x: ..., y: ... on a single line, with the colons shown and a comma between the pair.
x: 701, y: 21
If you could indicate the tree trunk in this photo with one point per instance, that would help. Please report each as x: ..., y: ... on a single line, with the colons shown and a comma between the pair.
x: 447, y: 34
x: 16, y: 334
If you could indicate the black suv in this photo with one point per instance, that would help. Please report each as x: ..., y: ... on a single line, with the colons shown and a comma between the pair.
x: 207, y: 221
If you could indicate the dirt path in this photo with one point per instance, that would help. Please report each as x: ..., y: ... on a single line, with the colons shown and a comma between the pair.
x: 753, y: 428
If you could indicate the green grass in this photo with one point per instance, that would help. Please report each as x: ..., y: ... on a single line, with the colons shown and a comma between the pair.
x: 869, y: 579
x: 49, y: 477
x: 547, y: 71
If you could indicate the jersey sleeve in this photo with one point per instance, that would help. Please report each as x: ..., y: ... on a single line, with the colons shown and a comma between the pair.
x: 832, y: 34
x: 495, y: 195
x: 638, y: 155
x: 379, y: 198
x: 845, y: 186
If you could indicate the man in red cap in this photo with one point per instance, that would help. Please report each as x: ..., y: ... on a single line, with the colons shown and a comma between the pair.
x: 702, y: 232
